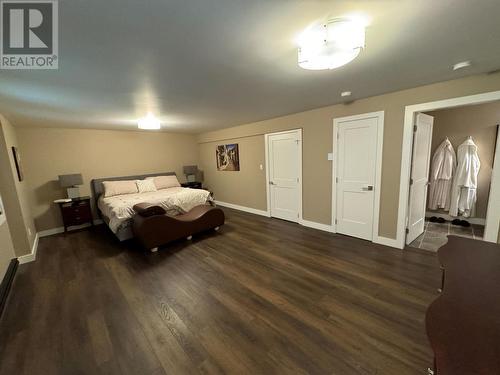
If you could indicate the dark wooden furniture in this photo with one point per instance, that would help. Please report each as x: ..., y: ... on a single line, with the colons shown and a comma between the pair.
x: 154, y: 228
x: 76, y: 212
x: 463, y: 323
x: 192, y: 185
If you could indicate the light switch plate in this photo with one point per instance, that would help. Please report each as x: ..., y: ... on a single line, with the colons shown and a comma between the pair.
x: 330, y: 156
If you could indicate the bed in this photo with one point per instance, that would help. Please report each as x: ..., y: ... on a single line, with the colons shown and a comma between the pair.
x: 117, y: 211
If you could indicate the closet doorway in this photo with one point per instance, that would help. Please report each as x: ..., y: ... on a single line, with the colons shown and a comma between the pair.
x: 451, y: 186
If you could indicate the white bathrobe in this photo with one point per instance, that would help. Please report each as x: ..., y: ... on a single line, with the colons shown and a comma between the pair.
x: 443, y: 167
x: 463, y: 192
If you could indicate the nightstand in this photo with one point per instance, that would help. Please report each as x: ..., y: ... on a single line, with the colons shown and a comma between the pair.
x: 76, y: 212
x: 192, y: 185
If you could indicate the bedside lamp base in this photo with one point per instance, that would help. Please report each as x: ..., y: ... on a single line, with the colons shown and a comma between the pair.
x: 73, y: 192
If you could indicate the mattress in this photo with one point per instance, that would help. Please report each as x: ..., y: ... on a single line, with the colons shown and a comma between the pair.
x: 119, y: 210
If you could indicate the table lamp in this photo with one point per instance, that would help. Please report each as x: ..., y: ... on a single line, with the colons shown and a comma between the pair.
x: 71, y: 182
x: 191, y: 172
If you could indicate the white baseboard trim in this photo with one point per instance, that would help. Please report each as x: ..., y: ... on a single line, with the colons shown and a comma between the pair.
x: 52, y: 231
x: 391, y: 242
x: 310, y: 224
x: 472, y: 220
x: 315, y: 225
x: 32, y: 256
x: 243, y: 208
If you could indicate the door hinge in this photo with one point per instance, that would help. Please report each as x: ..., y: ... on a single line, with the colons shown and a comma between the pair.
x: 407, y: 230
x: 338, y: 135
x: 414, y: 128
x: 335, y: 221
x: 411, y: 181
x: 336, y: 180
x: 297, y: 179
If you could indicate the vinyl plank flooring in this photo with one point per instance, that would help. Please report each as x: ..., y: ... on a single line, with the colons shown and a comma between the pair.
x: 261, y: 296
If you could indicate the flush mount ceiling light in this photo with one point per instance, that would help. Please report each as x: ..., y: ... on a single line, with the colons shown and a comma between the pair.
x: 149, y: 122
x: 345, y: 94
x: 331, y: 44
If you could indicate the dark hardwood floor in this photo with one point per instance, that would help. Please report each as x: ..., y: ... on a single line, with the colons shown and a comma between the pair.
x: 262, y: 296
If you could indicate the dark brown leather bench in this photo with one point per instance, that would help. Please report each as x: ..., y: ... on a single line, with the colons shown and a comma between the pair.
x: 152, y: 227
x: 463, y: 323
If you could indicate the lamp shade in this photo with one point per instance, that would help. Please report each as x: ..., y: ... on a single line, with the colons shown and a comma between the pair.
x: 68, y: 180
x: 190, y: 169
x: 200, y: 176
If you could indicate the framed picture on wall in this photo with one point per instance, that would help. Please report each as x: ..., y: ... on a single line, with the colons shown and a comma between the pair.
x: 228, y: 157
x: 17, y: 160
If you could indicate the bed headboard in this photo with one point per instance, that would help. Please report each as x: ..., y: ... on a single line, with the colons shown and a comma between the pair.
x: 98, y: 187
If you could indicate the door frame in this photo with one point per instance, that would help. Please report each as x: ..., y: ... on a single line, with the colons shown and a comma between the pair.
x: 492, y: 218
x: 378, y: 165
x: 268, y: 190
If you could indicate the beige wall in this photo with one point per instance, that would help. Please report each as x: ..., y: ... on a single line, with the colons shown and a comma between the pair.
x: 228, y: 185
x: 480, y: 122
x: 6, y: 249
x: 317, y: 142
x: 15, y: 198
x: 49, y: 152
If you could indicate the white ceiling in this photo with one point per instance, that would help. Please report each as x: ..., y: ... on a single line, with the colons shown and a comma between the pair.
x: 207, y: 64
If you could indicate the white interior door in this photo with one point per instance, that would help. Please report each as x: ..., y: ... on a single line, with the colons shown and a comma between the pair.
x: 419, y: 176
x: 285, y: 155
x: 357, y: 142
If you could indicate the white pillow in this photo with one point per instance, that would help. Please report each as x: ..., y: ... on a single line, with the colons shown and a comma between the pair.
x: 145, y: 186
x: 112, y: 188
x: 165, y: 182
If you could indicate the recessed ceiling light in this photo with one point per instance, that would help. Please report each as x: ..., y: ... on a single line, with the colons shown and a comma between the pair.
x: 331, y: 44
x: 149, y: 122
x: 461, y: 65
x: 345, y: 93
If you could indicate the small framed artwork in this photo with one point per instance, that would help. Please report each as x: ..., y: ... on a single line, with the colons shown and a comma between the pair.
x: 17, y: 161
x: 228, y: 157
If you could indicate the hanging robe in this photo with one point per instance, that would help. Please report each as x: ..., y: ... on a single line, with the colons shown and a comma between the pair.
x: 463, y: 191
x: 442, y: 170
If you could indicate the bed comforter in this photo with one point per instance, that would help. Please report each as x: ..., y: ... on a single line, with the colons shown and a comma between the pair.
x: 175, y: 201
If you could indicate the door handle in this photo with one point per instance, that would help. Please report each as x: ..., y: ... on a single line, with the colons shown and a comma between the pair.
x: 368, y: 188
x: 271, y: 183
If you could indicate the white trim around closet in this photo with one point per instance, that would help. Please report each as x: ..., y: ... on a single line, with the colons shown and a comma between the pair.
x: 492, y: 220
x: 493, y: 212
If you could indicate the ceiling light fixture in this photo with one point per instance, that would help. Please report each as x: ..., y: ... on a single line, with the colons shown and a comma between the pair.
x: 461, y: 65
x: 149, y: 122
x: 345, y: 93
x: 331, y: 45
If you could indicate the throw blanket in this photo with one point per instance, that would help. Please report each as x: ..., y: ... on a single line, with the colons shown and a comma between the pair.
x: 175, y: 201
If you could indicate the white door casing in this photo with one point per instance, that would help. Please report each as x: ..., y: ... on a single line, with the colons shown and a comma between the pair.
x: 357, y: 174
x: 419, y: 175
x: 492, y: 218
x: 284, y: 162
